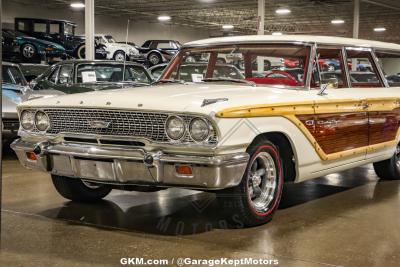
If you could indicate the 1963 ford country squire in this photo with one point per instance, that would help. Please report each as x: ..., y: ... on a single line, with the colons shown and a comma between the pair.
x: 241, y: 137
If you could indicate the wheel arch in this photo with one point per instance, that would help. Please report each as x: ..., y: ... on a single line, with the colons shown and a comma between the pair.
x: 287, y: 150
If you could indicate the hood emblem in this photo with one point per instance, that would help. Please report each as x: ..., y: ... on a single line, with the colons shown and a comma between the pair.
x: 210, y: 101
x: 99, y: 124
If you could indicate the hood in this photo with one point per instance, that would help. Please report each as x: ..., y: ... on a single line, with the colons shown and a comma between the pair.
x: 177, y: 97
x: 11, y: 97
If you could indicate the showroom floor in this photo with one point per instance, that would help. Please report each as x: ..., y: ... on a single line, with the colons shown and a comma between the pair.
x: 346, y: 219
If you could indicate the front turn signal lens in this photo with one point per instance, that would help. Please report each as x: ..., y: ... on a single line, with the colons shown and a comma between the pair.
x: 183, y: 170
x: 31, y: 156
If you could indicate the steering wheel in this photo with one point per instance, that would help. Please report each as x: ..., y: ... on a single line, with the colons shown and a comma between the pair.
x: 284, y: 73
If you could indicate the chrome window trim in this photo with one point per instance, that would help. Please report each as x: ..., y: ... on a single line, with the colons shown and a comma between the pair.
x: 380, y: 70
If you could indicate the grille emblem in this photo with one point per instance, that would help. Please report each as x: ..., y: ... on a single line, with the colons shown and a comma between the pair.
x: 99, y: 124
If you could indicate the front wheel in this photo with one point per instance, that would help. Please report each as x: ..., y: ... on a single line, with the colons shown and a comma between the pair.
x: 80, y: 52
x: 77, y: 190
x: 28, y: 51
x: 389, y: 169
x: 256, y: 198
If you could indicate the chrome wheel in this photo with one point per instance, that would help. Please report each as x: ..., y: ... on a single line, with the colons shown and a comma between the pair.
x: 28, y: 51
x: 154, y: 59
x: 91, y: 185
x: 262, y: 182
x: 119, y: 57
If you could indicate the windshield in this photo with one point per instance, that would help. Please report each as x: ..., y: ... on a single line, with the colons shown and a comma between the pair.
x: 12, y: 75
x: 110, y: 39
x: 69, y: 29
x: 282, y: 65
x: 92, y: 73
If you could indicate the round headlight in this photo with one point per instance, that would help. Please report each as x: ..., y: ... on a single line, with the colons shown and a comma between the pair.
x: 199, y: 129
x: 42, y: 121
x: 175, y: 127
x: 27, y: 119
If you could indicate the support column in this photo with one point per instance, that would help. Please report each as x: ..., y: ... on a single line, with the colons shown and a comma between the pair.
x: 89, y: 30
x: 356, y: 19
x: 261, y: 31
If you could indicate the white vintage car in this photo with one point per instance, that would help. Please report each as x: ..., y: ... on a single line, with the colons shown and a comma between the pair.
x: 241, y: 136
x: 115, y: 50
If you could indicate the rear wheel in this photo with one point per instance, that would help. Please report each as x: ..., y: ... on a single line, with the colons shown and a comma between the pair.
x: 79, y: 190
x: 154, y: 59
x: 119, y: 56
x: 389, y: 169
x: 255, y: 199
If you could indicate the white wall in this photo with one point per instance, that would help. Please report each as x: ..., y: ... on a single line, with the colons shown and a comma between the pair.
x: 116, y: 26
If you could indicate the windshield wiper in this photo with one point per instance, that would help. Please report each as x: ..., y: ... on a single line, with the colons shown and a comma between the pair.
x: 229, y: 80
x: 169, y: 81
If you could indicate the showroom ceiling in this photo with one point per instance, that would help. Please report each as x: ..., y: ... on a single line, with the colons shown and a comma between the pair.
x: 306, y: 17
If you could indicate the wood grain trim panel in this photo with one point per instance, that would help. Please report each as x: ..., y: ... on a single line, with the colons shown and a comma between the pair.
x: 291, y: 111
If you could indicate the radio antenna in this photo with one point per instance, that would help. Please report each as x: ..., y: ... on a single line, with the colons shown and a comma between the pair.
x: 126, y: 42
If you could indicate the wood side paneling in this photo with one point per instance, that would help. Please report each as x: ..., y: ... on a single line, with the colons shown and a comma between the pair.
x: 383, y: 126
x: 338, y: 132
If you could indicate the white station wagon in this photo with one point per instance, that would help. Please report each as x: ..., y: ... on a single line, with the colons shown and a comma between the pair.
x: 332, y: 106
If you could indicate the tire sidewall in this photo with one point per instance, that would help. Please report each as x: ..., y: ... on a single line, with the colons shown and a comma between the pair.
x: 156, y: 55
x: 79, y: 52
x: 34, y: 51
x: 119, y: 52
x: 274, y: 152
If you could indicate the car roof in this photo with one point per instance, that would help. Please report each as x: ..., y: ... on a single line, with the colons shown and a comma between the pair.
x: 76, y: 61
x: 45, y: 20
x: 295, y: 39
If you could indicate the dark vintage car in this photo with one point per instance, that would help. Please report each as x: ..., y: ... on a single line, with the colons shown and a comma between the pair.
x: 32, y: 71
x: 159, y: 51
x: 77, y: 76
x: 14, y: 86
x: 58, y: 31
x: 19, y: 46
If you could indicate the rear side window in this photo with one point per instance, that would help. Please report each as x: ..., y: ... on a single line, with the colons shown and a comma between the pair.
x: 39, y: 27
x: 362, y: 70
x: 23, y: 26
x: 390, y: 65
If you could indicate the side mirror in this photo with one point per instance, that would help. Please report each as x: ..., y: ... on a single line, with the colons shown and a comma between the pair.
x: 332, y: 83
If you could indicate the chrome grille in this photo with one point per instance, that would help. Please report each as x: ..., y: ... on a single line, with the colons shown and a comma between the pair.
x: 148, y: 125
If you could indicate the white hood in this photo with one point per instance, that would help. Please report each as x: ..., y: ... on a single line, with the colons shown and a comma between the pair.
x: 175, y: 98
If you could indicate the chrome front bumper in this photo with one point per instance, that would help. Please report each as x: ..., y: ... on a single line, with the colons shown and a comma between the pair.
x: 113, y: 165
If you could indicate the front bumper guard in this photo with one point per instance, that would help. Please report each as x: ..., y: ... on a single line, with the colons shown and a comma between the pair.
x: 111, y: 165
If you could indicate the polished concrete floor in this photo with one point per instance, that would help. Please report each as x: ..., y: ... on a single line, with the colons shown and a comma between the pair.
x: 344, y: 219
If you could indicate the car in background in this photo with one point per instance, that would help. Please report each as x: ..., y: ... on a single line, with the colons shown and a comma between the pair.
x: 14, y: 86
x: 159, y: 51
x: 18, y: 45
x: 77, y: 76
x: 58, y: 31
x: 157, y: 70
x: 32, y: 71
x: 115, y: 50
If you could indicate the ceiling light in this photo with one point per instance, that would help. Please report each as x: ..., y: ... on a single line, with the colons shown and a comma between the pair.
x: 164, y: 18
x: 277, y: 33
x: 227, y: 27
x: 337, y: 21
x: 282, y: 11
x: 77, y: 5
x: 380, y: 29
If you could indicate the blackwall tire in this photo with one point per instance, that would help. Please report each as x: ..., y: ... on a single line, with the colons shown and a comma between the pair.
x: 154, y: 59
x: 119, y: 56
x: 389, y: 169
x: 28, y: 51
x: 254, y: 201
x: 77, y: 190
